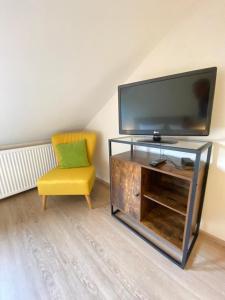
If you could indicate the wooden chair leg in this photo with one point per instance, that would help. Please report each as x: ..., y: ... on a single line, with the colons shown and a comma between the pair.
x: 88, y: 198
x: 44, y: 202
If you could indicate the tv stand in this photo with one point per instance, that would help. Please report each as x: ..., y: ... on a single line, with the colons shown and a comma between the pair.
x: 163, y: 204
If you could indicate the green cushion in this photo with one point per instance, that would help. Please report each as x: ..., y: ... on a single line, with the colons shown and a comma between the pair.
x: 73, y: 155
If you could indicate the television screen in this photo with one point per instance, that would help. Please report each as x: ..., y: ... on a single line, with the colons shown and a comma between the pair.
x: 173, y: 105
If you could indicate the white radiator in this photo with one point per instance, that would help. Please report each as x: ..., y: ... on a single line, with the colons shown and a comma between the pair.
x: 21, y: 167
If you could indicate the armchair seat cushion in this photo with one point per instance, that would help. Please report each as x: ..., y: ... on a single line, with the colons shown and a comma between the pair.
x: 73, y: 181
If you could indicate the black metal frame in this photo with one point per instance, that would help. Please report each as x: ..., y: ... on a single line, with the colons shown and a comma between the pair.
x: 187, y: 245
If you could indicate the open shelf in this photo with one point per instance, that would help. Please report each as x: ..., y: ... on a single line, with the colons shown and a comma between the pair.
x: 164, y: 201
x: 166, y: 190
x: 165, y: 223
x: 171, y: 200
x: 143, y: 158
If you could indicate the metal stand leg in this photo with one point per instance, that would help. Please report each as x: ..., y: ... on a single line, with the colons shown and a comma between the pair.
x: 204, y: 187
x: 186, y: 249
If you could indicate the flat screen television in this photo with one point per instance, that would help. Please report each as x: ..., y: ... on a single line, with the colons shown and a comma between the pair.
x: 175, y: 105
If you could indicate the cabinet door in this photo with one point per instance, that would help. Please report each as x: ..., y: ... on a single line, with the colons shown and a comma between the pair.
x: 126, y: 187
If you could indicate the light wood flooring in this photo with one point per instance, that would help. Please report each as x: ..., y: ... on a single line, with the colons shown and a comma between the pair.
x: 70, y: 252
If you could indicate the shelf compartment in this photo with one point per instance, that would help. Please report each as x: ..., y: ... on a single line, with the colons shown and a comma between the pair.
x: 143, y: 158
x: 165, y: 222
x: 166, y: 190
x: 171, y: 200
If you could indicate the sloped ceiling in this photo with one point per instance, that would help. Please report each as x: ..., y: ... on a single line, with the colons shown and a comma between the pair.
x: 60, y: 60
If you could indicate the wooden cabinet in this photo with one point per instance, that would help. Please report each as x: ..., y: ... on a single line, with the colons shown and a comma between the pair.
x: 126, y: 187
x: 162, y: 204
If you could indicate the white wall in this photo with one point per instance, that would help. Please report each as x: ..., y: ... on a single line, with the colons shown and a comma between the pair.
x: 60, y: 60
x: 197, y: 42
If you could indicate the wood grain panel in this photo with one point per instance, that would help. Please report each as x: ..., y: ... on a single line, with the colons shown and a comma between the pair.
x: 169, y: 200
x: 126, y: 187
x: 166, y: 223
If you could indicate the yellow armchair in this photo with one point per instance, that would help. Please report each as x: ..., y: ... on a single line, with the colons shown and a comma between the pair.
x: 74, y: 181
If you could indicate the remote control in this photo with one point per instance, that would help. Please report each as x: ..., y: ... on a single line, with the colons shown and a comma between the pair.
x: 156, y: 162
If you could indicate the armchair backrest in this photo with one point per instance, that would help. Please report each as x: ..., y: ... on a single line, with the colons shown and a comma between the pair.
x: 70, y: 137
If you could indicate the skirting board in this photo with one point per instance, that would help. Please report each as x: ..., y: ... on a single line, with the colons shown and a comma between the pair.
x: 102, y: 181
x: 213, y: 238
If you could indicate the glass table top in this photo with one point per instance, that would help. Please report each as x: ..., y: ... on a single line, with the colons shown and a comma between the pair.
x: 168, y: 142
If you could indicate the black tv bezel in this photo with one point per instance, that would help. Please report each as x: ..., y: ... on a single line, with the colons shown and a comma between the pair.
x: 165, y: 132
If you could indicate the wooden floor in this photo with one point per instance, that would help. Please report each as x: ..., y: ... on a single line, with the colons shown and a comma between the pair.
x: 70, y: 252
